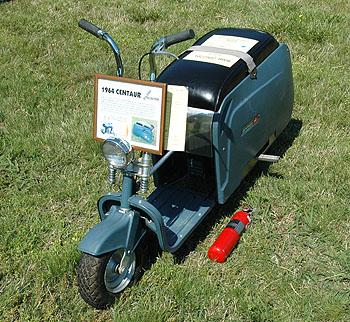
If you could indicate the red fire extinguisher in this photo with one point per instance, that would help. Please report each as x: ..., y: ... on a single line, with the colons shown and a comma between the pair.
x: 230, y: 236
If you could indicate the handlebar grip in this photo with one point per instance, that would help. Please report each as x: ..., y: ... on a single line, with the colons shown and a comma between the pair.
x: 89, y: 27
x: 180, y: 36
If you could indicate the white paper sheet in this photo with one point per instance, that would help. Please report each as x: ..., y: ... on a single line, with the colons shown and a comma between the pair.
x: 225, y: 42
x: 230, y: 42
x: 175, y: 127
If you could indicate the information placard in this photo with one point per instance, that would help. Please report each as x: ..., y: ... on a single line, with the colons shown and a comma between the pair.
x: 131, y: 109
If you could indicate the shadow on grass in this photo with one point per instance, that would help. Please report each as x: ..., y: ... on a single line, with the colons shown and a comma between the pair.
x: 279, y: 147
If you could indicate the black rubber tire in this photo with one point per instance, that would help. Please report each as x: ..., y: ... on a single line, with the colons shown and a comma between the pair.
x: 91, y: 271
x: 90, y: 277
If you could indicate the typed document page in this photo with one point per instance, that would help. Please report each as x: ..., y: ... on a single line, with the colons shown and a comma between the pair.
x: 176, y: 117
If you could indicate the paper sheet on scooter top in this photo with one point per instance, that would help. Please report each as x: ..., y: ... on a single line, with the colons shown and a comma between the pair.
x: 175, y: 118
x: 225, y: 42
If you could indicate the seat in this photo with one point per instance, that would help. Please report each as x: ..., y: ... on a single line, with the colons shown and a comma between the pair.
x: 209, y: 83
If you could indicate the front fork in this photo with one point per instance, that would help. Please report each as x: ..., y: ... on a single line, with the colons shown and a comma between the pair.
x: 131, y: 237
x: 127, y: 191
x: 120, y: 226
x: 128, y: 184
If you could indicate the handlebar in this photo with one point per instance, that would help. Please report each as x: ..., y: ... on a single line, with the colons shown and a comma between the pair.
x: 163, y: 43
x: 178, y: 37
x: 99, y: 33
x: 157, y: 47
x: 91, y: 28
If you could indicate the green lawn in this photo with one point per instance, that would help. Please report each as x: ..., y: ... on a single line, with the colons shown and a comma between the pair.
x: 293, y: 264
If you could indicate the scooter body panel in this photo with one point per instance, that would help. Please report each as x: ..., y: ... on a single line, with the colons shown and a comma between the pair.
x: 108, y: 200
x: 175, y: 212
x: 250, y: 118
x: 171, y: 213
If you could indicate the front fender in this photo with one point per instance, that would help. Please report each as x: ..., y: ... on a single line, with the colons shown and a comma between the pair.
x: 117, y: 230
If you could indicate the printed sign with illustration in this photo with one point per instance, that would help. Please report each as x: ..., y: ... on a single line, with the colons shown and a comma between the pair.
x: 131, y: 109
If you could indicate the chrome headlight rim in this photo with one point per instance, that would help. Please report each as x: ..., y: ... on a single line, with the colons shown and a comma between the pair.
x: 118, y: 152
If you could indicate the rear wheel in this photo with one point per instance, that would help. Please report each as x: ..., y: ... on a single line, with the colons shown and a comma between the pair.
x: 101, y: 279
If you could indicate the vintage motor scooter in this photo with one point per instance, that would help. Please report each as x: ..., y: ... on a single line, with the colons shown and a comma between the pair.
x: 240, y: 99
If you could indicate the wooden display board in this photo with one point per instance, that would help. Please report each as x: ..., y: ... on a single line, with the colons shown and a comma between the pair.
x: 131, y: 109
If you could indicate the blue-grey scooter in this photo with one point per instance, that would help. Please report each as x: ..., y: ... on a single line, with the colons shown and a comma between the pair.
x: 236, y: 111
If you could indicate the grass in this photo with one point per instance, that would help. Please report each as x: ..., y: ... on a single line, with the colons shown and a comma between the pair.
x: 292, y: 264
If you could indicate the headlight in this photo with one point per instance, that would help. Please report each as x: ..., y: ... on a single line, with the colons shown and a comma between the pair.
x: 118, y: 152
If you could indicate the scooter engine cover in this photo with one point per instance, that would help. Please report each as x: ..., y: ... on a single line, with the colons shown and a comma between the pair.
x: 248, y: 112
x: 209, y: 83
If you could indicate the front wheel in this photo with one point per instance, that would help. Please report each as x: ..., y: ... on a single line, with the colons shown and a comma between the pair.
x: 101, y: 279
